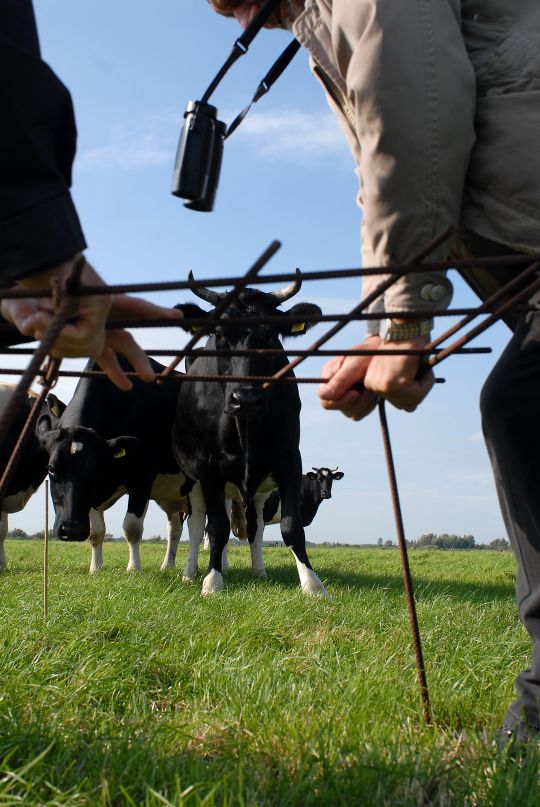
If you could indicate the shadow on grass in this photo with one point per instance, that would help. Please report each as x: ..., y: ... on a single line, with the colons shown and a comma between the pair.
x: 424, y: 588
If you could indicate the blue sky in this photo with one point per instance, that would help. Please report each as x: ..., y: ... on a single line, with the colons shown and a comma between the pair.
x: 287, y: 174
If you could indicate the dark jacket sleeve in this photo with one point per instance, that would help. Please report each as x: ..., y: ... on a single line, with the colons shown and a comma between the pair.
x: 39, y: 226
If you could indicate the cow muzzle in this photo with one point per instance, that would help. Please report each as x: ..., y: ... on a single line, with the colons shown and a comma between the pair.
x: 246, y: 402
x: 72, y: 530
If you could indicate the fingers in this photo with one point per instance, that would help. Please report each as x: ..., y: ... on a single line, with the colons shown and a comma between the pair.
x: 354, y: 404
x: 123, y: 342
x: 133, y: 307
x: 395, y: 379
x: 108, y: 361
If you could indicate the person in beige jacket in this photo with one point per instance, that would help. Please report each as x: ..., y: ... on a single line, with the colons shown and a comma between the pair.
x: 440, y: 103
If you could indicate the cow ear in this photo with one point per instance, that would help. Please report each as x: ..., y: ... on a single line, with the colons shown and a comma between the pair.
x: 191, y: 311
x: 45, y: 431
x: 300, y: 326
x: 124, y: 447
x: 311, y: 475
x: 55, y: 406
x: 338, y: 475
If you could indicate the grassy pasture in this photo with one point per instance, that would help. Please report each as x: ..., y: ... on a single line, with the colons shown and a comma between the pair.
x: 138, y: 691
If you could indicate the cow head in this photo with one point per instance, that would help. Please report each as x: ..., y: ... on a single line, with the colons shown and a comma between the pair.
x: 324, y: 478
x: 84, y: 471
x: 244, y: 400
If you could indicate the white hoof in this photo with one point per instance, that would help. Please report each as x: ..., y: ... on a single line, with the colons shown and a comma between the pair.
x: 94, y: 569
x: 316, y: 589
x: 133, y: 569
x: 166, y: 566
x: 212, y: 583
x: 189, y: 574
x: 260, y: 573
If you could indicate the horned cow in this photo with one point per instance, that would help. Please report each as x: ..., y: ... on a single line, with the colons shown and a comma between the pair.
x: 239, y: 434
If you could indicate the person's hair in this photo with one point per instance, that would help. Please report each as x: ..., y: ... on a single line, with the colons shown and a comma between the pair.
x: 225, y: 7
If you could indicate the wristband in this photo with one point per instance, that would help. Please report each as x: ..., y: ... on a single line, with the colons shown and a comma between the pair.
x: 401, y: 331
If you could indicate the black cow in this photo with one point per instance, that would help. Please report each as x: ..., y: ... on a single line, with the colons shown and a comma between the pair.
x: 31, y: 468
x: 108, y: 443
x: 316, y: 486
x: 236, y: 434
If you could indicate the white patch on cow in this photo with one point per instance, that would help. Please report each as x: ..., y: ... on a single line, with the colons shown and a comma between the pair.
x: 257, y: 562
x: 166, y: 489
x: 16, y: 502
x: 133, y: 531
x: 75, y: 447
x: 196, y: 524
x: 309, y: 582
x: 174, y: 533
x: 212, y: 583
x: 3, y: 533
x: 96, y: 538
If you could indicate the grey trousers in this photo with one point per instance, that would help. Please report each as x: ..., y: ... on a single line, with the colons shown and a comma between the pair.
x: 510, y: 405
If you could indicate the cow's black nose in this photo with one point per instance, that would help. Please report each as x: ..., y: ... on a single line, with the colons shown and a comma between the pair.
x: 245, y: 401
x: 72, y: 531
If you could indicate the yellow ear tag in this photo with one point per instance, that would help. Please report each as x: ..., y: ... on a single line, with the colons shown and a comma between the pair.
x: 120, y: 453
x: 298, y: 327
x: 195, y: 328
x: 55, y: 411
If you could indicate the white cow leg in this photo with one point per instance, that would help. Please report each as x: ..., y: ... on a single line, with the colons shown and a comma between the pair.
x: 96, y: 538
x: 196, y: 523
x: 255, y: 546
x: 174, y: 533
x: 133, y: 532
x: 309, y: 582
x: 3, y: 533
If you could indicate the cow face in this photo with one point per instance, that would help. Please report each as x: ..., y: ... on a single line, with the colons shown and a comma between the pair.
x: 85, y: 470
x: 243, y: 399
x: 324, y: 478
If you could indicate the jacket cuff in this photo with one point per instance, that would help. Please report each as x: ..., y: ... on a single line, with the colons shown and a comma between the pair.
x: 38, y: 238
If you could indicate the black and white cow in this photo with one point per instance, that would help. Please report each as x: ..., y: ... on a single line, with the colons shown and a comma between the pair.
x: 31, y: 469
x: 236, y: 434
x: 316, y: 486
x: 108, y: 443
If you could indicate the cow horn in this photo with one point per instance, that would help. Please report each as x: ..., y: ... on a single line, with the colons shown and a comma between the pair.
x: 334, y: 469
x: 207, y: 295
x: 314, y: 469
x: 289, y: 291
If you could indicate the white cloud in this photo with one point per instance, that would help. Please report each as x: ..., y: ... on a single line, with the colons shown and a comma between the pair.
x: 292, y: 134
x: 131, y: 146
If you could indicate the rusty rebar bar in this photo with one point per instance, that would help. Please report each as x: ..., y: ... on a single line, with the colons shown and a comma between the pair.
x: 27, y: 351
x: 407, y: 577
x: 321, y: 274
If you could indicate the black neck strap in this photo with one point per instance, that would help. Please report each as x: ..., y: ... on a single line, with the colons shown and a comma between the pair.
x: 241, y: 46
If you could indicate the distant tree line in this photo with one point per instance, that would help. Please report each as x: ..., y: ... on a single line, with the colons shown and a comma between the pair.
x: 447, y: 541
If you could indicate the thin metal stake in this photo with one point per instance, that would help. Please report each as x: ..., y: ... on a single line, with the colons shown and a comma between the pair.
x: 407, y: 579
x: 46, y: 555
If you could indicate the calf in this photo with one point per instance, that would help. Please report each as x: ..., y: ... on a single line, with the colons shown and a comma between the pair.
x: 239, y: 434
x: 31, y: 468
x: 108, y: 443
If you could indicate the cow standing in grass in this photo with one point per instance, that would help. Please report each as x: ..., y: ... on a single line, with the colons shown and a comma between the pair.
x: 239, y: 434
x: 108, y: 443
x: 31, y: 468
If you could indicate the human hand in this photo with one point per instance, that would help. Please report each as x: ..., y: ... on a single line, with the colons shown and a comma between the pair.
x: 343, y: 373
x: 85, y: 335
x: 396, y: 377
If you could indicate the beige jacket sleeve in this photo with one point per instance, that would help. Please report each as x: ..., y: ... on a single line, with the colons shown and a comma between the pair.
x: 411, y: 87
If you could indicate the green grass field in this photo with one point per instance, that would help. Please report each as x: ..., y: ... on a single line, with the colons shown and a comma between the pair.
x: 137, y: 691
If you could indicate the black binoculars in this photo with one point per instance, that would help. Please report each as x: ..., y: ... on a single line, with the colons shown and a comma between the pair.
x: 199, y: 156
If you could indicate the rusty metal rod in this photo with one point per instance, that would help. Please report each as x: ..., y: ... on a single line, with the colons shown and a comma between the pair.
x: 229, y: 298
x: 487, y: 323
x: 322, y: 274
x: 407, y: 578
x: 27, y: 351
x: 486, y: 306
x: 381, y: 288
x: 189, y: 378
